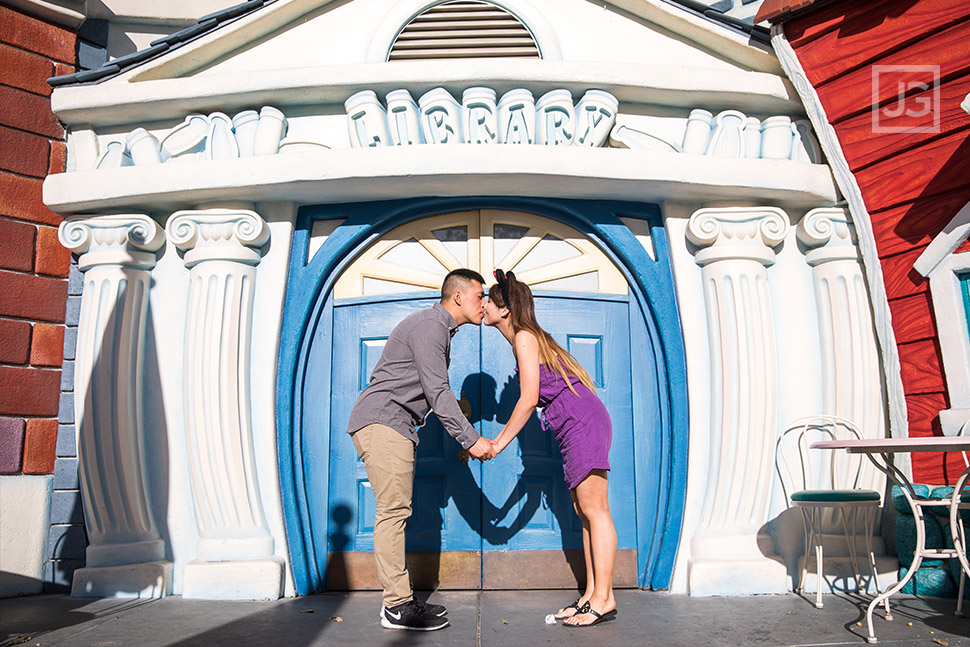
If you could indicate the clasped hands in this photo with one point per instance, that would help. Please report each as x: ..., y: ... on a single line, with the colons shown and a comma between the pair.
x: 484, y: 449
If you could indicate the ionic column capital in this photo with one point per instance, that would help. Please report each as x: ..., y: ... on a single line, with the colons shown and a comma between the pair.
x: 129, y: 239
x: 218, y: 235
x: 737, y: 233
x: 829, y: 234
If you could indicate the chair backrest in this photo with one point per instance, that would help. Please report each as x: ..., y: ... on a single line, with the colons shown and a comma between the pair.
x: 802, y: 468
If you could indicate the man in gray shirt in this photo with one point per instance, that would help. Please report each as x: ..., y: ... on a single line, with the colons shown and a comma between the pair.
x: 411, y: 379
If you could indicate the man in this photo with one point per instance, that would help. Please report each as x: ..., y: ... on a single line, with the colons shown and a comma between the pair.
x: 410, y: 379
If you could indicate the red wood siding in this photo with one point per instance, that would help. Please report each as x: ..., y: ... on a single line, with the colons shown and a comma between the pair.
x: 912, y: 182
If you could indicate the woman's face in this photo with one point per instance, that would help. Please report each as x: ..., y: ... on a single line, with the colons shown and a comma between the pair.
x: 493, y: 314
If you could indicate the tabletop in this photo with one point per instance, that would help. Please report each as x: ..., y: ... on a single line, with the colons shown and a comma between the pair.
x: 887, y: 445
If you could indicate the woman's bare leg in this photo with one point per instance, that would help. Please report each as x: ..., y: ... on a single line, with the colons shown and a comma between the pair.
x: 591, y: 500
x: 587, y: 561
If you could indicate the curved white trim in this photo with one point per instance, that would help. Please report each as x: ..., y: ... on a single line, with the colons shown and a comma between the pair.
x: 860, y: 217
x: 406, y: 10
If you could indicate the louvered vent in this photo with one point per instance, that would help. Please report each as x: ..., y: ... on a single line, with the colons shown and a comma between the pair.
x: 464, y: 29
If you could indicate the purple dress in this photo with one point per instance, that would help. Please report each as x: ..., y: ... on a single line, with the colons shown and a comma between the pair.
x: 580, y: 423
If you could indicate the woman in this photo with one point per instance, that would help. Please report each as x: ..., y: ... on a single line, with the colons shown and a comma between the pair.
x: 551, y: 378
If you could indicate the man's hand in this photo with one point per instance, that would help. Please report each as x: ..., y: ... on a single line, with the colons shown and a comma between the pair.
x: 482, y: 449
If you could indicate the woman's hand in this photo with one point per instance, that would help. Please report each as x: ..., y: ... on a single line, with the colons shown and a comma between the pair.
x: 496, y: 448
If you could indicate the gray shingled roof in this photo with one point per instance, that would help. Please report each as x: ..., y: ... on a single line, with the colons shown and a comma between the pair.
x: 158, y: 47
x: 215, y: 20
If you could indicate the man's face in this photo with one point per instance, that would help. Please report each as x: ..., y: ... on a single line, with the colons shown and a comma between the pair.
x: 472, y: 304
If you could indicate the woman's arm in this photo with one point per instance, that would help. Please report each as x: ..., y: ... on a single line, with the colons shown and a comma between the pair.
x: 527, y: 354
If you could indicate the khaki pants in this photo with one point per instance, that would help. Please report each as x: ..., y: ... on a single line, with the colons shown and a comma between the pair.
x: 389, y: 460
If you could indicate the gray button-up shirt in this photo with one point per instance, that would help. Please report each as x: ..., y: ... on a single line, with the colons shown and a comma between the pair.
x: 411, y: 378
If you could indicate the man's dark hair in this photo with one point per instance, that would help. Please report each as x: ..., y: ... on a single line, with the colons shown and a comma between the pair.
x: 458, y: 280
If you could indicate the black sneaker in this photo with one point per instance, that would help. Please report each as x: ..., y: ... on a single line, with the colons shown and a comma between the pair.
x: 433, y: 609
x: 413, y: 616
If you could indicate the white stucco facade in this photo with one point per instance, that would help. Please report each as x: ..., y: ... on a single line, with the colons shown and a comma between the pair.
x: 705, y: 125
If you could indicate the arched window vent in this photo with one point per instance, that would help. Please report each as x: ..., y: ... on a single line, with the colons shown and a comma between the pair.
x: 464, y: 29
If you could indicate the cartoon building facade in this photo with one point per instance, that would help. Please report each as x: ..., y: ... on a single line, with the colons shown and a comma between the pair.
x: 255, y: 204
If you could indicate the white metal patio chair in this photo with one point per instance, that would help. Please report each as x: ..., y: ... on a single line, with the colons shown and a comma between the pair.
x: 816, y: 480
x: 956, y: 521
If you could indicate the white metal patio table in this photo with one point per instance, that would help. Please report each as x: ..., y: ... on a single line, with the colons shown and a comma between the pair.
x: 879, y: 451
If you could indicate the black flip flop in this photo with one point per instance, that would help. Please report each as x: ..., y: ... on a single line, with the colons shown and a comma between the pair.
x: 609, y: 615
x: 575, y: 605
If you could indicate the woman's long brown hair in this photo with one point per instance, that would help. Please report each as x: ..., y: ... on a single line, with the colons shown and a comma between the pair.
x: 522, y: 313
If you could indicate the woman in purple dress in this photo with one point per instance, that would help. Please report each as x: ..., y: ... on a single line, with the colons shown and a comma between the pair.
x: 551, y: 378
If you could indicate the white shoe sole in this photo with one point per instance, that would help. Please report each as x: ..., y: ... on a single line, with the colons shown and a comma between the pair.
x: 440, y: 615
x: 388, y: 625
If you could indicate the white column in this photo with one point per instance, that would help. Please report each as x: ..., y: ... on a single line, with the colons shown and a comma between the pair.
x: 730, y: 552
x: 852, y: 387
x: 235, y: 551
x: 126, y: 556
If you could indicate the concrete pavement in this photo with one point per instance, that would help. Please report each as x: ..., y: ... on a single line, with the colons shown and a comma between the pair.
x: 491, y: 618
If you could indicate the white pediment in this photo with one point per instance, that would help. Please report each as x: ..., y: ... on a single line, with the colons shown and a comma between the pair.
x: 292, y: 34
x: 299, y: 53
x: 307, y: 77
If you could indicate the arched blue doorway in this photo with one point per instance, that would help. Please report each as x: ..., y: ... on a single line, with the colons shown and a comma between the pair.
x: 658, y: 403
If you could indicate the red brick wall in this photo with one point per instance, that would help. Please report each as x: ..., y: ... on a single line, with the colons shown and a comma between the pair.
x: 33, y: 265
x: 913, y: 183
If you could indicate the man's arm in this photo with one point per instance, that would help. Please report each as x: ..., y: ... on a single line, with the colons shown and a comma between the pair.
x: 429, y: 359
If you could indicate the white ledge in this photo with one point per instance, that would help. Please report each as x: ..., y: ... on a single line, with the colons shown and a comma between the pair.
x: 119, y: 102
x: 351, y: 175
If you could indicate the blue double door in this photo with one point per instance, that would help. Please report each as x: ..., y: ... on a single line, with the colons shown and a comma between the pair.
x: 505, y: 523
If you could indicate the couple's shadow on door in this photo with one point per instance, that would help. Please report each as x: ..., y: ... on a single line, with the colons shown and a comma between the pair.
x: 524, y: 491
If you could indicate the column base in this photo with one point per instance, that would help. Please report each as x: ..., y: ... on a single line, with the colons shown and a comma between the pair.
x: 119, y: 554
x: 146, y: 580
x: 251, y: 579
x: 736, y: 565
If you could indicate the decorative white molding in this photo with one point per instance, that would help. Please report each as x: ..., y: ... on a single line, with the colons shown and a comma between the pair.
x: 736, y: 245
x: 851, y: 379
x: 828, y: 139
x: 737, y: 233
x: 221, y: 249
x: 212, y: 137
x: 517, y: 118
x: 479, y: 118
x: 117, y: 254
x: 126, y: 240
x: 733, y: 134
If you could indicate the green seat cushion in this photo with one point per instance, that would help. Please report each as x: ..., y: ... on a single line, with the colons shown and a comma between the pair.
x: 834, y: 496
